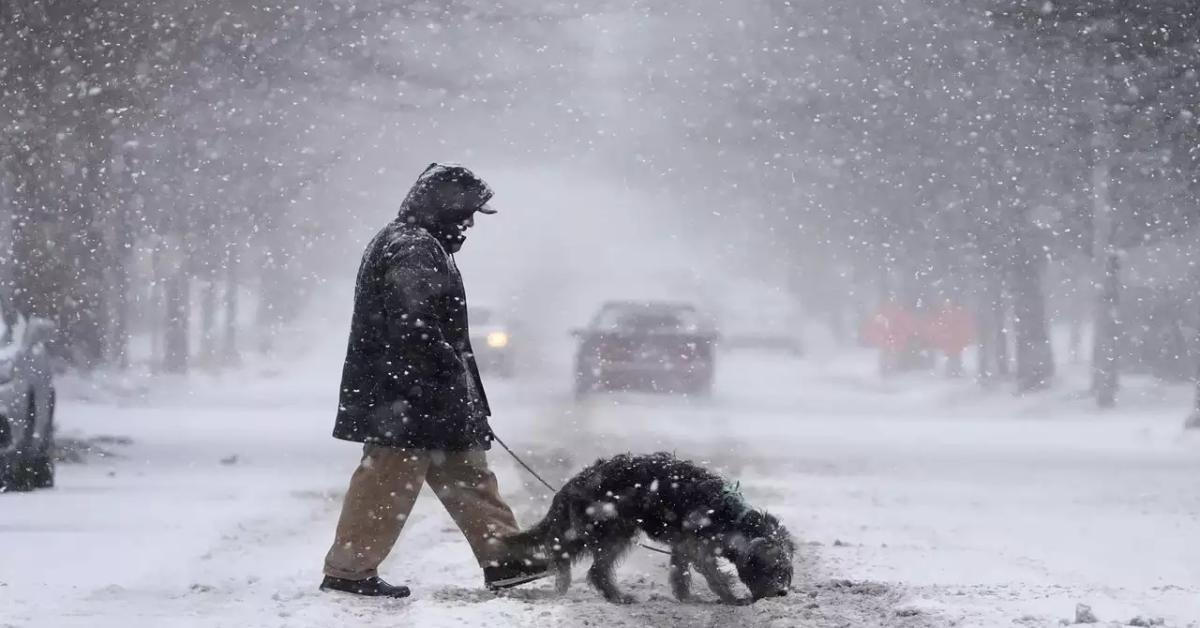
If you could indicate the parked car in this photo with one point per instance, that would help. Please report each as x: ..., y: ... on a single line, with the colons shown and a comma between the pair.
x: 493, y: 337
x: 27, y: 400
x: 658, y: 346
x: 770, y: 323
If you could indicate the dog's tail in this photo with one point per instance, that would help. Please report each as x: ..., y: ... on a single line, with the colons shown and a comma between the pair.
x: 545, y: 533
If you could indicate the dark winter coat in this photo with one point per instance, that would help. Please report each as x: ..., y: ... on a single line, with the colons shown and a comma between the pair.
x: 410, y: 379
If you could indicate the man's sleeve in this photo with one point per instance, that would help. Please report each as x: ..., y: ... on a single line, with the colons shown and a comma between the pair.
x: 415, y: 275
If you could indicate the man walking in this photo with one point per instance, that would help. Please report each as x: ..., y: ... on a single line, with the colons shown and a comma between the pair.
x: 411, y: 393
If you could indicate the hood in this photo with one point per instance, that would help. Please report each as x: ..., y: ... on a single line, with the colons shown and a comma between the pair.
x: 445, y: 194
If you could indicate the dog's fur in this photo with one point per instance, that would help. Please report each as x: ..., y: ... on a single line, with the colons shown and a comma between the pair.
x: 601, y: 510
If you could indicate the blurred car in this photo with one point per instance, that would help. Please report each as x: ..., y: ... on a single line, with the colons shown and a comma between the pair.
x: 27, y: 400
x: 493, y: 337
x: 658, y: 346
x: 775, y: 325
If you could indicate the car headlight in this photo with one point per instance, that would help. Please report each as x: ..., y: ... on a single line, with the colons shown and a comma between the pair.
x: 497, y: 339
x: 7, y: 371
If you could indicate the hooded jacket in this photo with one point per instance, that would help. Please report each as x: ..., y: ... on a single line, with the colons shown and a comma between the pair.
x: 410, y: 379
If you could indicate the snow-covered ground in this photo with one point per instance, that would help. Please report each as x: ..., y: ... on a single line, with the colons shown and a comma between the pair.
x: 919, y: 503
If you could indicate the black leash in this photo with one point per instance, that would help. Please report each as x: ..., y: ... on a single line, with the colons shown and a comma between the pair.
x: 547, y: 484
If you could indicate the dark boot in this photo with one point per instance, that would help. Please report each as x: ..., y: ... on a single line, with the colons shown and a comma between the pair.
x: 371, y: 587
x: 511, y: 573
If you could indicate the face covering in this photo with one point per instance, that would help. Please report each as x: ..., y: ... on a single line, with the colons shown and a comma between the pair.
x: 451, y: 236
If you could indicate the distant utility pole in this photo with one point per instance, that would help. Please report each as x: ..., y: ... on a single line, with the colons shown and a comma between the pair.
x: 1193, y: 421
x: 1105, y: 367
x: 6, y: 239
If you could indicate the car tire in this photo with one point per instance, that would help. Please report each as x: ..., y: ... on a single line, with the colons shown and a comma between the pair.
x: 18, y: 472
x: 41, y: 468
x: 15, y: 476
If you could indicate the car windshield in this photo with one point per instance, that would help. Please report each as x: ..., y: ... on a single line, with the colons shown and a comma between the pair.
x: 647, y: 319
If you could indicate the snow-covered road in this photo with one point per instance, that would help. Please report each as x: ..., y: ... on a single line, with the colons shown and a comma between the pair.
x: 941, y: 511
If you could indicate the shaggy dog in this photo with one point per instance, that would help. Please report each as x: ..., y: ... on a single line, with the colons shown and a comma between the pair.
x: 695, y: 512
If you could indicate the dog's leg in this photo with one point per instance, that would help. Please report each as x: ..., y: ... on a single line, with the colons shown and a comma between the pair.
x: 600, y: 574
x: 563, y: 555
x: 562, y: 576
x: 681, y: 572
x: 720, y: 583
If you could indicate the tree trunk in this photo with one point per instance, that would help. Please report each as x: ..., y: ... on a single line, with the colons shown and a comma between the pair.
x: 38, y: 286
x: 86, y: 304
x: 985, y: 339
x: 88, y: 256
x: 1075, y: 341
x: 157, y: 306
x: 270, y: 300
x: 993, y: 337
x: 1105, y: 369
x: 983, y: 355
x: 1001, y: 343
x: 229, y: 350
x: 117, y: 341
x: 208, y: 323
x: 122, y: 241
x: 913, y: 296
x: 1105, y: 374
x: 176, y: 350
x: 263, y: 322
x: 1034, y: 354
x: 954, y: 365
x: 1193, y: 421
x: 7, y: 211
x: 1077, y: 313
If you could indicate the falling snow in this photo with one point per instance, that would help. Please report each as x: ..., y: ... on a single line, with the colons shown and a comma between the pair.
x: 897, y: 270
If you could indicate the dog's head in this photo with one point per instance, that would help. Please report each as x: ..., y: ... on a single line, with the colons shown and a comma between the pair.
x: 765, y: 563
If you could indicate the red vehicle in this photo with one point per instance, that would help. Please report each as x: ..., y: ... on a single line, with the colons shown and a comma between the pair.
x: 657, y: 346
x: 951, y: 329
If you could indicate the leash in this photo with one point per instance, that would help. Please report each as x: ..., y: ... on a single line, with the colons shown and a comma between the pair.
x: 549, y: 486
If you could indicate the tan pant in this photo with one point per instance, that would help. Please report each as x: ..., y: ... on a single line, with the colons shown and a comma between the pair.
x: 382, y: 493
